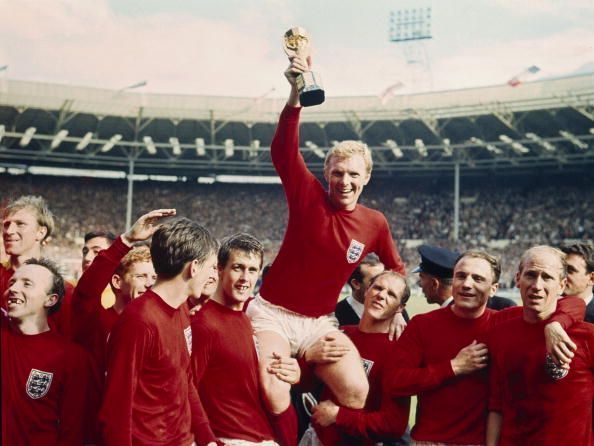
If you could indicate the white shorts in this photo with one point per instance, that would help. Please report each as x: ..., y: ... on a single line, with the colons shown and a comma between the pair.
x: 301, y: 332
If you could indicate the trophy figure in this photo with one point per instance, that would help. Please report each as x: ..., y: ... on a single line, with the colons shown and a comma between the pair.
x: 296, y: 44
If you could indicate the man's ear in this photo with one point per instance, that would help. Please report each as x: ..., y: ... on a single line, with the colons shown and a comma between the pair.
x: 116, y: 282
x: 494, y: 288
x: 50, y: 300
x: 41, y: 233
x: 356, y: 284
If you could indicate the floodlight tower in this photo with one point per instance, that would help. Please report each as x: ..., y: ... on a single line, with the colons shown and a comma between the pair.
x: 409, y: 28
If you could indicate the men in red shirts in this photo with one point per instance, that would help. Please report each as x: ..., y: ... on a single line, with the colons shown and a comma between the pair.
x: 297, y: 300
x: 224, y: 359
x: 580, y: 275
x: 130, y: 273
x: 45, y: 378
x: 27, y: 225
x: 149, y: 397
x: 534, y: 402
x: 383, y: 419
x: 95, y: 242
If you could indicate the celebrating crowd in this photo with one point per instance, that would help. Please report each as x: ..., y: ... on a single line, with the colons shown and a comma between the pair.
x: 187, y: 353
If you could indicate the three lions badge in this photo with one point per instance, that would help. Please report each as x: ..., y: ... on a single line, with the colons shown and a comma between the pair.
x: 38, y: 383
x: 354, y: 252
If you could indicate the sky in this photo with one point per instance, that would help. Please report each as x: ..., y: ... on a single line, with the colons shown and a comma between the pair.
x: 234, y: 47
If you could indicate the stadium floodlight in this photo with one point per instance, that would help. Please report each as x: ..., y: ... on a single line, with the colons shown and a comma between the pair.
x: 175, y: 145
x: 200, y: 147
x: 517, y: 147
x: 544, y: 144
x: 27, y: 136
x: 112, y: 142
x: 229, y: 147
x: 393, y: 146
x: 421, y: 148
x: 410, y: 24
x: 447, y: 148
x: 150, y: 145
x: 490, y: 147
x: 84, y: 142
x: 592, y: 130
x: 315, y: 149
x: 2, y: 131
x: 58, y: 138
x: 573, y: 139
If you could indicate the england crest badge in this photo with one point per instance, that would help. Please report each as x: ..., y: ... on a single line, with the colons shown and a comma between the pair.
x: 38, y: 383
x: 354, y: 252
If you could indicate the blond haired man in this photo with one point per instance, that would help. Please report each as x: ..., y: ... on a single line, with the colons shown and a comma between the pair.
x: 326, y: 227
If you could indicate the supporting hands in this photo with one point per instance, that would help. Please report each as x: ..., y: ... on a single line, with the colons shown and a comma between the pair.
x: 326, y: 350
x: 285, y: 369
x: 397, y: 326
x: 559, y: 345
x: 325, y: 413
x: 471, y: 358
x: 146, y: 226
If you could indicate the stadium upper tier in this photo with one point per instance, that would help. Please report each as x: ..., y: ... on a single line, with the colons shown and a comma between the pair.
x: 547, y: 123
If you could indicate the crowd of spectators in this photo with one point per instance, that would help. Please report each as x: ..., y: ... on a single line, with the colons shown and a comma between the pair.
x: 489, y: 217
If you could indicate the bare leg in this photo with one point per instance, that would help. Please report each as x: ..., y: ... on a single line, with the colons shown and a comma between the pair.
x: 346, y: 377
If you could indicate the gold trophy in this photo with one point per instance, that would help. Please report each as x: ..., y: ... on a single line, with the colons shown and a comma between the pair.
x: 309, y: 85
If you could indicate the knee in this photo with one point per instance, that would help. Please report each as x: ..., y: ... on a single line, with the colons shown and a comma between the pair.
x: 355, y: 395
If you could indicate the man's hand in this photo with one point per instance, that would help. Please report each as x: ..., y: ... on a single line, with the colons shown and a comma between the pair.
x: 297, y: 65
x: 285, y: 369
x: 559, y: 344
x: 146, y: 226
x: 471, y: 358
x: 325, y: 413
x: 397, y: 326
x: 326, y: 350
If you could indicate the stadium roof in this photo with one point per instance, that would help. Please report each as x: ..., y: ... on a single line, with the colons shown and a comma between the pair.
x: 546, y: 124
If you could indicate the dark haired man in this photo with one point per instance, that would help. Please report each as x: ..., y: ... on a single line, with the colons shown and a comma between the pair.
x: 349, y: 311
x: 580, y: 275
x: 45, y: 378
x: 95, y: 242
x: 149, y: 397
x: 224, y: 358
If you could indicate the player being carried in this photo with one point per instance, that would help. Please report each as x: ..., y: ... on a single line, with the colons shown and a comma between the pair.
x: 327, y: 235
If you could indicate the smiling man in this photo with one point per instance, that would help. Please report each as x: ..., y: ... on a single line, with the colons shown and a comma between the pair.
x: 532, y: 401
x: 326, y: 228
x: 224, y: 359
x: 45, y: 378
x: 441, y: 357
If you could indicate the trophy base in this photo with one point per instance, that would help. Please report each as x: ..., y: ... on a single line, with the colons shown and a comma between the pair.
x: 312, y: 97
x: 310, y: 89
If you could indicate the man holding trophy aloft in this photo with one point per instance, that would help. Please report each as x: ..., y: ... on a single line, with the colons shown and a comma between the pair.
x: 327, y: 235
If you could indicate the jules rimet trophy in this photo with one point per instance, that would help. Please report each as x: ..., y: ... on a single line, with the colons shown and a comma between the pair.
x: 296, y: 43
